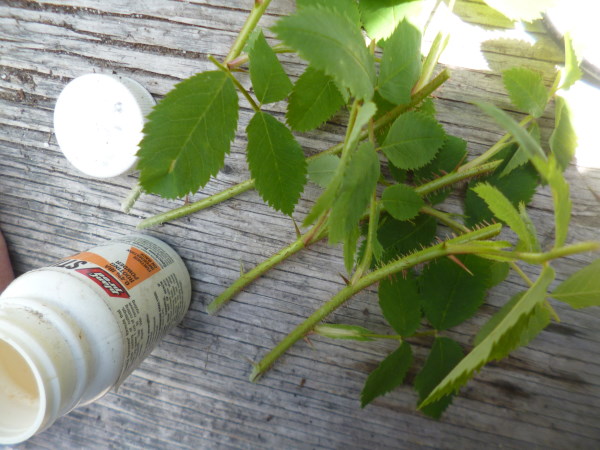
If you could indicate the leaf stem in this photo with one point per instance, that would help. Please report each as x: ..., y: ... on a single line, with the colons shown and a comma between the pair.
x: 131, y: 198
x: 251, y: 21
x: 371, y: 236
x: 346, y: 293
x: 244, y: 57
x: 316, y: 233
x: 197, y: 206
x: 445, y: 218
x: 455, y: 177
x: 238, y: 85
x: 491, y: 152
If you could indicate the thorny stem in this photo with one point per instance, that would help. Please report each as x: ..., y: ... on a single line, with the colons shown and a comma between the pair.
x: 257, y: 11
x: 238, y: 85
x: 247, y: 185
x: 369, y: 279
x: 319, y: 231
x: 455, y: 177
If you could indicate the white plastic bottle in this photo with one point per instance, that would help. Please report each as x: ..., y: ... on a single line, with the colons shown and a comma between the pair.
x: 72, y: 331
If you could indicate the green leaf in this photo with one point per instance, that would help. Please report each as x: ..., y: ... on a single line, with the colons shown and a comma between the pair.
x: 539, y: 319
x: 399, y: 238
x: 314, y: 99
x: 347, y: 332
x: 381, y: 18
x: 519, y: 187
x: 535, y: 245
x: 358, y: 184
x: 526, y: 141
x: 401, y: 64
x: 413, y: 140
x: 269, y: 80
x: 347, y: 7
x: 561, y: 199
x: 520, y: 157
x: 450, y: 294
x: 327, y: 198
x: 505, y: 336
x: 519, y: 10
x: 401, y: 201
x: 504, y: 210
x: 322, y: 169
x: 388, y: 375
x: 526, y: 90
x: 350, y: 244
x: 563, y: 140
x: 276, y: 162
x: 331, y: 43
x: 571, y: 72
x: 452, y: 153
x: 582, y: 289
x: 400, y: 303
x: 188, y: 134
x: 445, y: 354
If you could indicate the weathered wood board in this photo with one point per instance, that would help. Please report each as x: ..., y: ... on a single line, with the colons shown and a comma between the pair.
x: 193, y: 391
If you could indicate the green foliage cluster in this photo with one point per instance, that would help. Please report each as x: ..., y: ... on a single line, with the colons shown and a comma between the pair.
x: 383, y: 182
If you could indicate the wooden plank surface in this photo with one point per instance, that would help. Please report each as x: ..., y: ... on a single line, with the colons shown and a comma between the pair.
x: 193, y: 391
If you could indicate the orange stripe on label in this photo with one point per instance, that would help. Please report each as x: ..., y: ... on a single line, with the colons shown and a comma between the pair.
x: 138, y: 267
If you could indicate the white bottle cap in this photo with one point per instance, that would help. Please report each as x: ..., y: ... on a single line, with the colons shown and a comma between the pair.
x: 98, y: 121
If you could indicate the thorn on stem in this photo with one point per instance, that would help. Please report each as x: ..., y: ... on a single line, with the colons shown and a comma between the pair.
x: 298, y: 233
x: 460, y: 264
x: 346, y: 280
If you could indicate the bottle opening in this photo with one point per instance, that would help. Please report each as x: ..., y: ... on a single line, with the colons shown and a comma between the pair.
x: 19, y: 396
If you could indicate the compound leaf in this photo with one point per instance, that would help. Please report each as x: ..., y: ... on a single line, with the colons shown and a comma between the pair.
x: 388, y: 375
x: 269, y: 80
x: 526, y: 90
x: 582, y: 289
x: 331, y: 42
x: 444, y: 355
x: 413, y: 140
x: 400, y: 303
x: 276, y: 162
x: 505, y: 336
x: 314, y: 99
x: 401, y: 64
x: 188, y: 134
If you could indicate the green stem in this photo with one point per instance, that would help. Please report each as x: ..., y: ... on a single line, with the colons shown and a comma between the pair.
x: 197, y: 206
x: 244, y: 57
x: 257, y: 11
x: 365, y: 264
x: 522, y: 274
x: 344, y: 294
x: 528, y: 257
x: 455, y: 177
x: 494, y: 149
x: 247, y: 185
x: 445, y: 218
x: 238, y: 85
x: 133, y: 196
x: 315, y: 234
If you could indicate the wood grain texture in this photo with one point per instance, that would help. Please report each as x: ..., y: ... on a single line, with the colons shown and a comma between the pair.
x: 193, y: 391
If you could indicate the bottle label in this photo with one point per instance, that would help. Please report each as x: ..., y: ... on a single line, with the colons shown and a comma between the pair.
x: 147, y: 290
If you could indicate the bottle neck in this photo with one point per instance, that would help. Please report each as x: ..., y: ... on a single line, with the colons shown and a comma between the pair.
x: 44, y: 368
